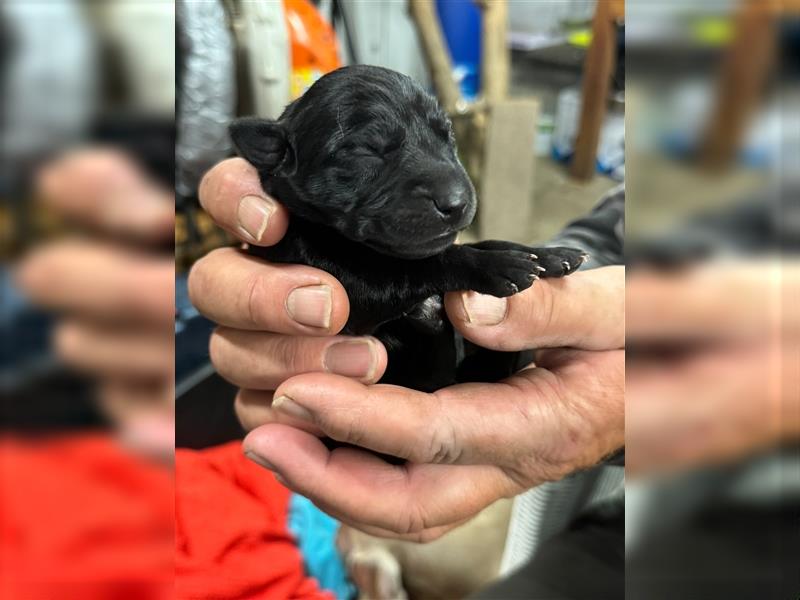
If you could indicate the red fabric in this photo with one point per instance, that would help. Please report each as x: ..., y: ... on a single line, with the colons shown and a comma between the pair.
x: 231, y: 535
x: 81, y: 518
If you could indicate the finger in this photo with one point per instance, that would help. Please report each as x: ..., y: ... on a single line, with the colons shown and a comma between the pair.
x: 585, y: 310
x: 458, y: 425
x: 253, y: 408
x: 403, y: 499
x: 716, y: 300
x: 559, y: 419
x: 237, y: 290
x: 103, y: 281
x: 105, y: 189
x: 112, y: 351
x: 231, y: 193
x: 262, y: 361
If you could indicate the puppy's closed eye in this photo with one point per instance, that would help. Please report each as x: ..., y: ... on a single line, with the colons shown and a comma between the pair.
x: 368, y: 151
x: 362, y: 151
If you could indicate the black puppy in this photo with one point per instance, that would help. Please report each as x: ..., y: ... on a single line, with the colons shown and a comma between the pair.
x: 366, y: 163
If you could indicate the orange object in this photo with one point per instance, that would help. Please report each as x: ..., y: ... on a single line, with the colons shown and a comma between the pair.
x: 313, y: 45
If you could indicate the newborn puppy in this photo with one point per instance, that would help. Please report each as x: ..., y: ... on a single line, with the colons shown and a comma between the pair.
x: 366, y: 163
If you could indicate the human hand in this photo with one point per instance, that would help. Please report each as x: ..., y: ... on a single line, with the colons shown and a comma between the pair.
x: 468, y: 444
x: 276, y: 320
x: 117, y: 303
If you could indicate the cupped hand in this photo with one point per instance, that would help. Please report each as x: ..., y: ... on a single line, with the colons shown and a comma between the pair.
x: 276, y: 320
x: 470, y: 444
x: 466, y: 445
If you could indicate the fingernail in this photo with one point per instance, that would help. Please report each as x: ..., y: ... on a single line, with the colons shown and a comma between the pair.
x: 353, y: 358
x: 260, y: 460
x: 289, y: 407
x: 482, y: 309
x: 253, y: 215
x: 311, y: 305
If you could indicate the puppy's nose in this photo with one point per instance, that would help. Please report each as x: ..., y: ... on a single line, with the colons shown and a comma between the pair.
x: 452, y: 203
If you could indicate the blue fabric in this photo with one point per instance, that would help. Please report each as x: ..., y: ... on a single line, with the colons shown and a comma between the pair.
x: 316, y: 537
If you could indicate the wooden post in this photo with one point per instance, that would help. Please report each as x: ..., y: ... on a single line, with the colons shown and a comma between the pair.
x: 597, y: 70
x: 437, y: 57
x: 496, y: 58
x: 744, y: 74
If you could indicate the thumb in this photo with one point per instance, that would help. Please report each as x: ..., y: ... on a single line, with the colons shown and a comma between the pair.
x: 585, y: 310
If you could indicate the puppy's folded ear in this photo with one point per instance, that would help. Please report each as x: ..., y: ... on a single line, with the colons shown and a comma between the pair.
x: 265, y: 144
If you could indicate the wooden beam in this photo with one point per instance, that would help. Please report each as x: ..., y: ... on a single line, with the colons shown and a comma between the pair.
x: 496, y: 57
x: 437, y: 57
x: 745, y: 71
x: 597, y: 69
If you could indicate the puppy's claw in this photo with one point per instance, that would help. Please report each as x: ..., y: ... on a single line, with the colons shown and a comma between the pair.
x: 534, y: 257
x: 565, y: 264
x: 540, y: 269
x: 514, y: 288
x: 584, y: 257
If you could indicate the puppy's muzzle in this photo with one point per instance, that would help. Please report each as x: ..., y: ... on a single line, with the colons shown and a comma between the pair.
x: 451, y: 199
x: 454, y: 204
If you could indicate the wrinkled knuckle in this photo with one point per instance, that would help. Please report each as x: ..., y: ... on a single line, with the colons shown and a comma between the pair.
x: 290, y: 354
x: 256, y: 293
x: 566, y: 451
x: 410, y: 521
x: 353, y: 431
x: 444, y: 446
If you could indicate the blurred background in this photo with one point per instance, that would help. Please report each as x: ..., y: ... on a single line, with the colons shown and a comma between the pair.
x: 87, y: 169
x: 712, y: 389
x: 113, y: 111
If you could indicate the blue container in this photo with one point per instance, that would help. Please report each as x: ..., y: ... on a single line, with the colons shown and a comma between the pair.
x: 461, y: 25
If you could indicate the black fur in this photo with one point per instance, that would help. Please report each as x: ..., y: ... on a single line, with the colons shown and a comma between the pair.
x: 366, y: 163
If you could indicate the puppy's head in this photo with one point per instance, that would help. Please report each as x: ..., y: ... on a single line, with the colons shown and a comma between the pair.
x: 368, y: 152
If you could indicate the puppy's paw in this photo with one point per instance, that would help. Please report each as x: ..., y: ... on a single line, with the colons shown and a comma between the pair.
x: 504, y: 273
x: 375, y: 571
x: 559, y: 261
x: 551, y: 262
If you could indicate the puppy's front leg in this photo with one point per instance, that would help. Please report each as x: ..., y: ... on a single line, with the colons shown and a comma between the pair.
x: 504, y: 268
x: 556, y: 261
